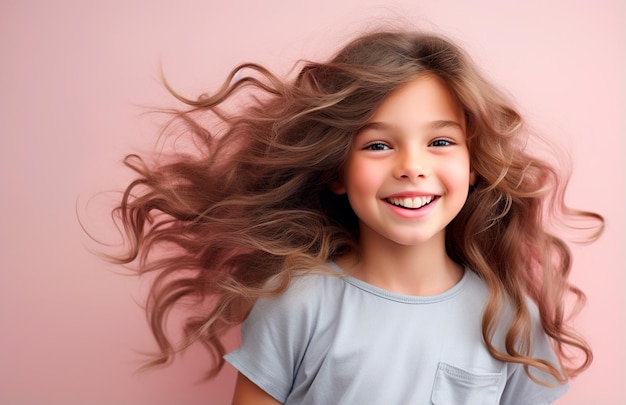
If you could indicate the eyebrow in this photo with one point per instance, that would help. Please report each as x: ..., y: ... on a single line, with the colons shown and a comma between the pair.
x: 445, y: 124
x: 439, y: 124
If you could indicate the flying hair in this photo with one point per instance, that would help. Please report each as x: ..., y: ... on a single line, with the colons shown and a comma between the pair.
x: 236, y: 218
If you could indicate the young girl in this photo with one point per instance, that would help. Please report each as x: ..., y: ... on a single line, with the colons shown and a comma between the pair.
x: 376, y: 224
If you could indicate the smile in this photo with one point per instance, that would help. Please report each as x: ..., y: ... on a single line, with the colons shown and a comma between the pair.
x: 410, y: 203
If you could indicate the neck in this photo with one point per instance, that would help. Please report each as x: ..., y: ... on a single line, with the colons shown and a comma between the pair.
x: 423, y: 269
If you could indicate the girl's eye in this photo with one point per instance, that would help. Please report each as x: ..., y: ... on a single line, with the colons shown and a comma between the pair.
x: 377, y: 146
x: 441, y: 142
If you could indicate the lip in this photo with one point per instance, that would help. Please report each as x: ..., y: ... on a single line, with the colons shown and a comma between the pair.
x: 411, y: 194
x: 411, y: 213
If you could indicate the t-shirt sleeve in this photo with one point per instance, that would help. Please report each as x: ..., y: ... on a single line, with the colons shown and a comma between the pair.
x: 274, y: 337
x: 520, y: 389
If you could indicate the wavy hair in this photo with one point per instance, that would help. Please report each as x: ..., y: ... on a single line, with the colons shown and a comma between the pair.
x: 249, y: 206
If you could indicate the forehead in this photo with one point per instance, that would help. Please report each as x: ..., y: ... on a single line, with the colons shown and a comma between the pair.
x: 426, y: 97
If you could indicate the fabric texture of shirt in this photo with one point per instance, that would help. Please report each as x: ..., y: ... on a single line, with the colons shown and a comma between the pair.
x: 338, y: 340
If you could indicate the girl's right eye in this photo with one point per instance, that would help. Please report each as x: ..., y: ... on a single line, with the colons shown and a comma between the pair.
x: 377, y: 146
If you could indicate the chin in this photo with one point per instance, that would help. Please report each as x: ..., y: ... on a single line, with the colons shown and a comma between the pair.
x: 413, y: 241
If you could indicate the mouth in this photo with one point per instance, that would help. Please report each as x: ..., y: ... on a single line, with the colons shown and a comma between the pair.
x: 411, y: 203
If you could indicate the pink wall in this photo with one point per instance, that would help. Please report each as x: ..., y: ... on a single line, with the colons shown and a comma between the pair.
x: 71, y: 76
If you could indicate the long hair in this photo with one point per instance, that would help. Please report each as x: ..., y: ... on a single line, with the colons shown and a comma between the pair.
x: 234, y: 219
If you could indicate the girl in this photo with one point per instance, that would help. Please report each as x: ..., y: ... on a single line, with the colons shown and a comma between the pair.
x: 376, y: 223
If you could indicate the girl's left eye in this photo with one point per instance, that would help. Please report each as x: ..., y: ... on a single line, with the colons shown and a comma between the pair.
x: 377, y: 146
x: 441, y: 142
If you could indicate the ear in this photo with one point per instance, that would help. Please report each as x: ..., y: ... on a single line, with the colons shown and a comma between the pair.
x: 337, y: 187
x: 473, y: 178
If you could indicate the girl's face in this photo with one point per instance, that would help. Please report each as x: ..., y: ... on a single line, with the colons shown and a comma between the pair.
x: 408, y: 172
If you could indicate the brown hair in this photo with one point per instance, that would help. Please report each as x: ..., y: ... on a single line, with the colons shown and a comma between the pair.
x: 250, y: 206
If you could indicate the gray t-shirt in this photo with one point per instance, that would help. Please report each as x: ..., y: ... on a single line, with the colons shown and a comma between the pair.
x: 338, y: 340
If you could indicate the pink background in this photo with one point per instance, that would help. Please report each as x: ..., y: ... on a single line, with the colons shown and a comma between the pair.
x: 74, y: 73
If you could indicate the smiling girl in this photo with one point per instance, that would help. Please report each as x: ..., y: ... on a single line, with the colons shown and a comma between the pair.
x: 406, y: 177
x: 376, y: 225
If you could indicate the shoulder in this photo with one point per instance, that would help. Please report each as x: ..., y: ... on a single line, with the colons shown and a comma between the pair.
x: 306, y: 290
x: 520, y: 388
x: 307, y: 295
x: 477, y: 289
x: 276, y: 334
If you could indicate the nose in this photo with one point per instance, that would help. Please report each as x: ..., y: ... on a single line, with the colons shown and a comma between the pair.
x: 412, y: 164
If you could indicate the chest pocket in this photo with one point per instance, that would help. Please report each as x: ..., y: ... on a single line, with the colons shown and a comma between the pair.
x: 456, y: 386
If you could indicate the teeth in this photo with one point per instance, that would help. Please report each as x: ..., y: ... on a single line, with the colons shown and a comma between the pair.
x: 413, y: 203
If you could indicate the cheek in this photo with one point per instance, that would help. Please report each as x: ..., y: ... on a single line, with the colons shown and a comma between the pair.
x: 464, y: 177
x: 362, y: 177
x: 456, y: 174
x: 463, y: 174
